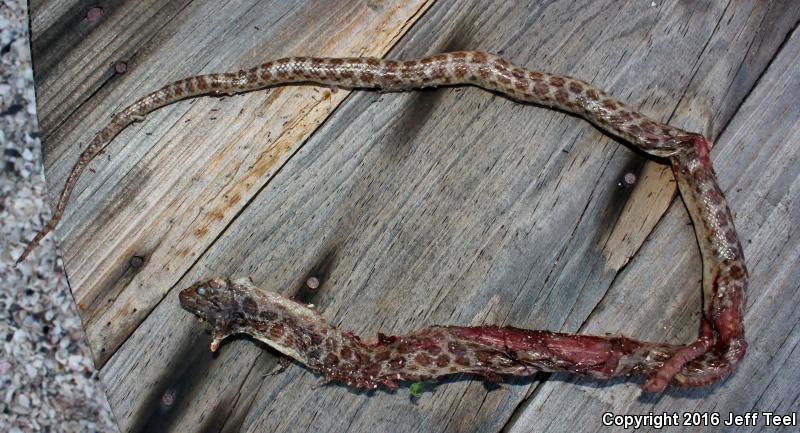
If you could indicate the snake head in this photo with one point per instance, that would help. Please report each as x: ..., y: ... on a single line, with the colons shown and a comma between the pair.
x: 211, y: 301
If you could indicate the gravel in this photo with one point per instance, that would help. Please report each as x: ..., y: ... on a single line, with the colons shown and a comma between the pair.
x: 47, y: 379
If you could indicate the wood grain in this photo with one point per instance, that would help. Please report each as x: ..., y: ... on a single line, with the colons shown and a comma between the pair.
x: 171, y: 185
x: 706, y: 106
x: 458, y: 207
x: 756, y: 159
x: 74, y: 55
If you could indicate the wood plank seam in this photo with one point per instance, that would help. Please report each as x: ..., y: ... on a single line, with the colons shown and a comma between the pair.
x: 536, y: 388
x: 763, y: 72
x: 417, y: 9
x: 419, y: 12
x: 110, y: 76
x: 660, y: 219
x: 522, y: 406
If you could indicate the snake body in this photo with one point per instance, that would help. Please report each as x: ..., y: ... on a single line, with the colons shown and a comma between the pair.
x: 718, y: 348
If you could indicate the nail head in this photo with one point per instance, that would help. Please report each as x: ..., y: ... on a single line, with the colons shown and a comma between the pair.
x: 136, y: 262
x: 121, y: 67
x: 168, y: 398
x: 95, y: 13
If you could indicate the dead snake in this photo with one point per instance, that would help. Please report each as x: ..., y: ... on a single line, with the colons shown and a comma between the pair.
x: 488, y: 350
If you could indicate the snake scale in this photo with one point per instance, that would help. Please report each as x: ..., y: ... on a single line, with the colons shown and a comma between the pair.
x: 490, y: 351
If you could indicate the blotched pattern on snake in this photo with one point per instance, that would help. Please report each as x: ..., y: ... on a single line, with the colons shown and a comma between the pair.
x: 488, y: 351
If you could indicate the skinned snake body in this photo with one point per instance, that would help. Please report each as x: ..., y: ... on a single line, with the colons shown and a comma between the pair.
x: 233, y: 307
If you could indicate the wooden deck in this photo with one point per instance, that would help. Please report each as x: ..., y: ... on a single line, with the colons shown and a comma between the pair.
x: 448, y: 206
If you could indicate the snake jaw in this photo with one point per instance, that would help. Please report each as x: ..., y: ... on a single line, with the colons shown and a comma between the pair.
x: 216, y: 342
x: 219, y: 333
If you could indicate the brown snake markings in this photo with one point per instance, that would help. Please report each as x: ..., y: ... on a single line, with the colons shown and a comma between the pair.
x: 237, y: 307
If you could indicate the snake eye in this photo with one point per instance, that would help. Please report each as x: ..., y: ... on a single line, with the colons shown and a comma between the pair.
x: 201, y: 291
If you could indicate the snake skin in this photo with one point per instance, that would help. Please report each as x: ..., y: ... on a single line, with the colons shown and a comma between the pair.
x: 720, y: 344
x: 299, y: 331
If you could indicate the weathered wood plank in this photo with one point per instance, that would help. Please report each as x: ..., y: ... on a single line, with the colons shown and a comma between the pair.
x: 456, y: 207
x: 756, y: 159
x: 76, y: 44
x: 707, y: 105
x: 176, y: 181
x: 179, y: 387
